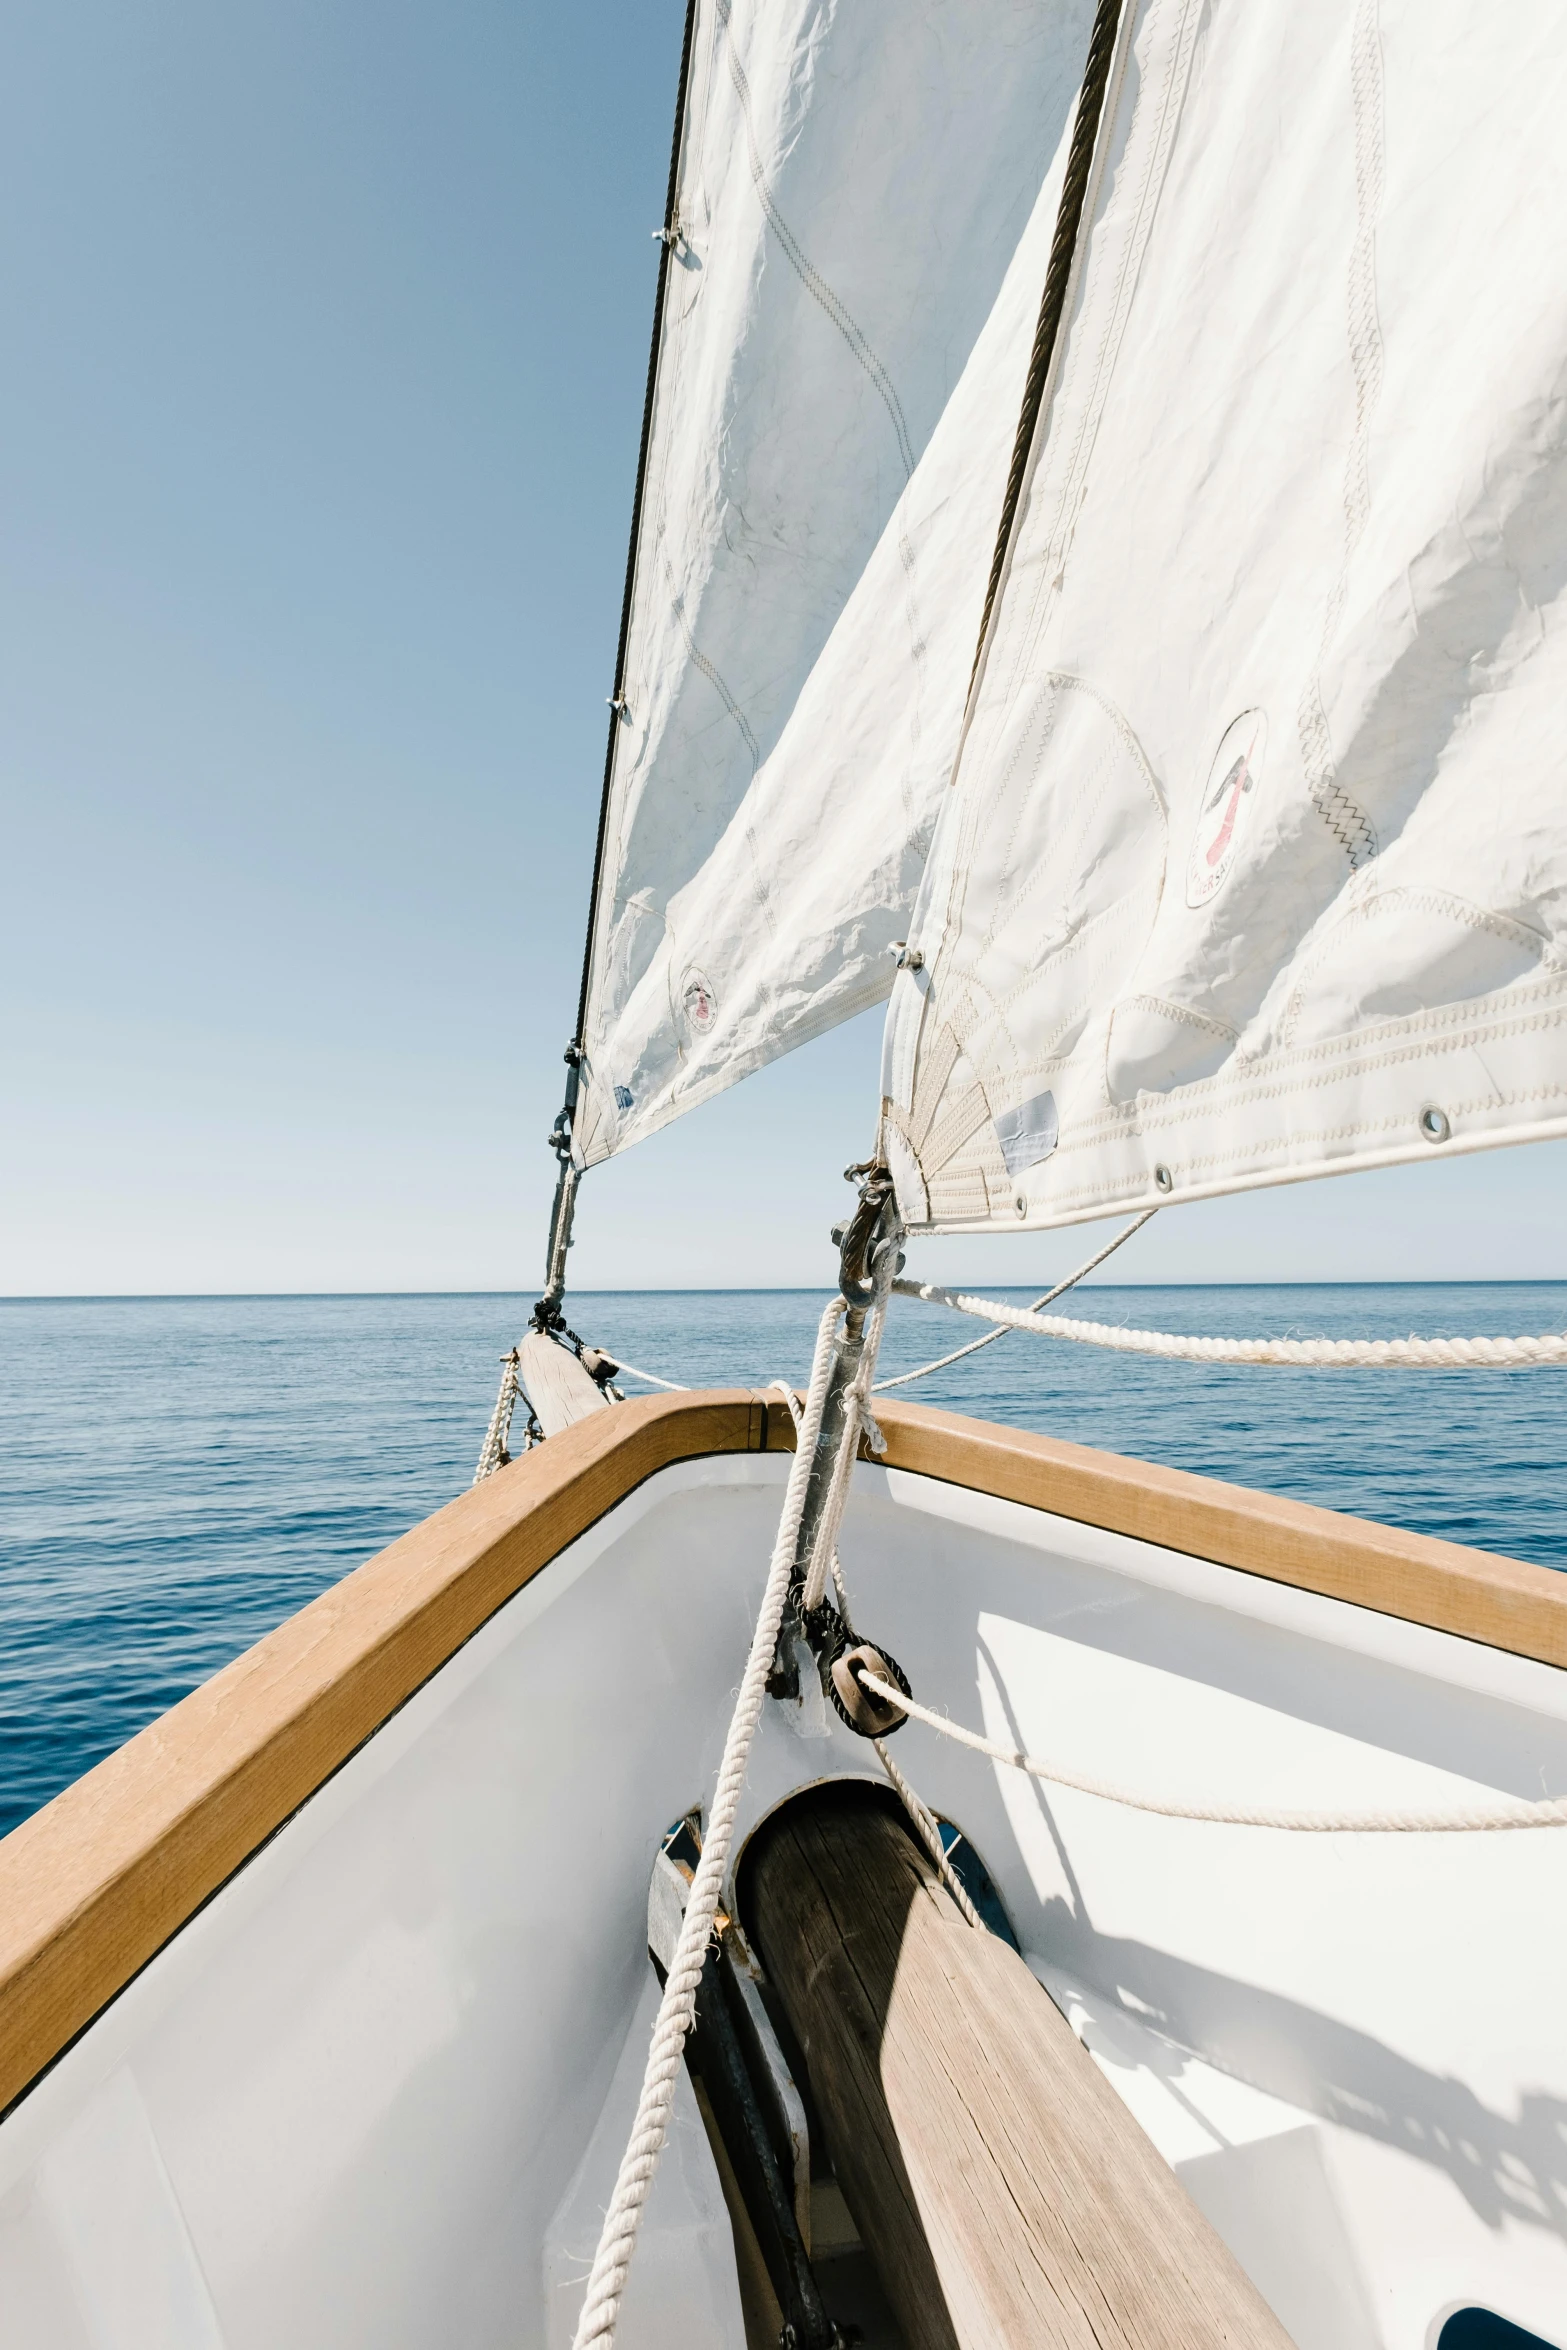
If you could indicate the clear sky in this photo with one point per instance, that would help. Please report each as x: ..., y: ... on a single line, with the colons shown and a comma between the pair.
x: 325, y: 331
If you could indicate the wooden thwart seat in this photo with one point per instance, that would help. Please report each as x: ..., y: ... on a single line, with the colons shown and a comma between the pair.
x: 1003, y: 2190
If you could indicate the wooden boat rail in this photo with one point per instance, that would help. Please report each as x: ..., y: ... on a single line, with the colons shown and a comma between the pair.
x: 94, y: 1884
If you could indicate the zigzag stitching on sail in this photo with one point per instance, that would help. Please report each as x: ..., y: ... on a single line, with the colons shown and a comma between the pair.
x: 1348, y: 822
x: 816, y: 286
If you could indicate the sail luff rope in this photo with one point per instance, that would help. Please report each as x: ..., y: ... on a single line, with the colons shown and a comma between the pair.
x: 943, y: 1362
x: 1052, y: 304
x: 1345, y: 1354
x: 668, y: 238
x: 611, y: 2262
x: 1552, y: 1814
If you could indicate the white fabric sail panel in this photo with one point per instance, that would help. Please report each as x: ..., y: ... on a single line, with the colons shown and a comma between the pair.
x: 854, y: 182
x: 787, y: 927
x: 1255, y: 866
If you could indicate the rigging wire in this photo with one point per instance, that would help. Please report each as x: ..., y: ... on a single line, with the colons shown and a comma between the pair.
x: 942, y: 1361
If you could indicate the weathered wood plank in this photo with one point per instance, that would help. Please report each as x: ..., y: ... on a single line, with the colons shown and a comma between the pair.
x: 1004, y: 2191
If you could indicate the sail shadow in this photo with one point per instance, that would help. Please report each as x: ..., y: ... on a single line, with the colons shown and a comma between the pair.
x: 1505, y: 2168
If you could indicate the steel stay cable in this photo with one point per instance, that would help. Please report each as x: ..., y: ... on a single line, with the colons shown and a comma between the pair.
x: 942, y: 1362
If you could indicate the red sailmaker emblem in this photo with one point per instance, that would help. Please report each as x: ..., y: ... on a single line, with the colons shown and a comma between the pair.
x: 1232, y: 781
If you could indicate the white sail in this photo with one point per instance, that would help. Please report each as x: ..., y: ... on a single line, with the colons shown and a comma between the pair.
x: 853, y: 184
x: 1255, y: 867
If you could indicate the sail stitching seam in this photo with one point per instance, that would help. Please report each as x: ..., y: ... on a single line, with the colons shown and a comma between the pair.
x: 701, y: 662
x: 1114, y: 1195
x: 1166, y: 111
x: 1348, y: 822
x: 1099, y: 364
x: 815, y: 285
x: 1063, y: 1195
x: 1351, y: 1053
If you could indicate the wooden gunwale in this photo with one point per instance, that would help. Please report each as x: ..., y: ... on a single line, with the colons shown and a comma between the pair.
x: 94, y: 1884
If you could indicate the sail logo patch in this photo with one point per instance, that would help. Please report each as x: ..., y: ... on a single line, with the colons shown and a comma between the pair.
x: 697, y: 1001
x: 1226, y: 801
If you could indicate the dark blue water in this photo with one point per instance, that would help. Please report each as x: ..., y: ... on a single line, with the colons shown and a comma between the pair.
x: 178, y: 1475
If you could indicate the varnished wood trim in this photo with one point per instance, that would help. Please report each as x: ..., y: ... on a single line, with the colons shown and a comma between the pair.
x: 96, y: 1882
x: 1502, y: 1602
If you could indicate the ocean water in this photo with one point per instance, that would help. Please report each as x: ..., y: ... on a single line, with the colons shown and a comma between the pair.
x: 177, y: 1475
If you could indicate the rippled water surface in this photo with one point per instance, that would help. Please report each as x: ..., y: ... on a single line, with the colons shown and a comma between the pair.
x: 177, y: 1475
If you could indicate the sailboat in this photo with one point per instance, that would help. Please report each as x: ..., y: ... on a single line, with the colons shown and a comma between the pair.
x: 797, y: 1866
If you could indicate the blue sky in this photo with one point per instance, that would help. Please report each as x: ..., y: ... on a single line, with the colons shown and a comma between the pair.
x: 325, y: 334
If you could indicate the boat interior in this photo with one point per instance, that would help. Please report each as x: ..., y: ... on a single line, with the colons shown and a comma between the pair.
x: 324, y: 2004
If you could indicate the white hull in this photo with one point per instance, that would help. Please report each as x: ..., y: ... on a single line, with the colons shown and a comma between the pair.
x: 374, y: 2092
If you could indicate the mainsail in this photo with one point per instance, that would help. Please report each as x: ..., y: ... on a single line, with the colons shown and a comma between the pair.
x: 1255, y: 864
x: 860, y: 195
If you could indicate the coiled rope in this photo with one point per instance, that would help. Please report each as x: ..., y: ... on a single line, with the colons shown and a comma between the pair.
x: 606, y: 2282
x: 1311, y: 1823
x: 1344, y: 1354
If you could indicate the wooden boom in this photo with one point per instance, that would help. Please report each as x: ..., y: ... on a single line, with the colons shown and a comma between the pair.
x: 1004, y: 2192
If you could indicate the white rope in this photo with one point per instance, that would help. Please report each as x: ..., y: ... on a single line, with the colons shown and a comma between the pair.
x: 1315, y: 1823
x: 492, y: 1453
x: 958, y: 1353
x: 601, y: 2305
x: 790, y: 1398
x: 929, y: 1835
x: 652, y: 1378
x: 1367, y: 1354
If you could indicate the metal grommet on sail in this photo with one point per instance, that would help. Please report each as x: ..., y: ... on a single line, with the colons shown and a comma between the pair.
x: 1163, y: 1178
x: 1435, y: 1124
